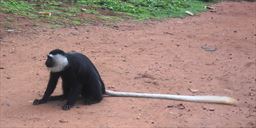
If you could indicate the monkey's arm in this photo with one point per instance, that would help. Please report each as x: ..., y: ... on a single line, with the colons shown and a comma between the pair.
x: 203, y: 99
x: 49, y: 90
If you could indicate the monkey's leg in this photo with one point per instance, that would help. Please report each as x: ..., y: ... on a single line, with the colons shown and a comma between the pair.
x: 92, y: 94
x: 66, y: 89
x: 72, y: 96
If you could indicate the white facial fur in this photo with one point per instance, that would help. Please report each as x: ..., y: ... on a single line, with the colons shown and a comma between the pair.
x: 60, y: 62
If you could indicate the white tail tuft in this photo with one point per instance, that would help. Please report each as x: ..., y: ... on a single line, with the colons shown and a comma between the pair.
x: 203, y: 99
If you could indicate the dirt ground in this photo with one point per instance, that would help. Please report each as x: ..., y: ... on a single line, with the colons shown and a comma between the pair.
x: 213, y: 53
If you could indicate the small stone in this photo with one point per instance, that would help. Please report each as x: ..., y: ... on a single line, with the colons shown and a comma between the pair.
x: 63, y: 121
x: 180, y: 106
x: 210, y: 8
x: 170, y: 106
x: 251, y: 94
x: 209, y: 48
x: 10, y: 30
x: 211, y: 109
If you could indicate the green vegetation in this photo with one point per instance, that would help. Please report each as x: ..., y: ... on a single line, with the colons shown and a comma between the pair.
x: 148, y: 9
x: 16, y: 7
x: 63, y: 13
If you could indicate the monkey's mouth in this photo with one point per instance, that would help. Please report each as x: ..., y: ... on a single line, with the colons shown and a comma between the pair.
x: 49, y: 64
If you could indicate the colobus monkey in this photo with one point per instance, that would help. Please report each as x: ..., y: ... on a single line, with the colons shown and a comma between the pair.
x: 81, y: 78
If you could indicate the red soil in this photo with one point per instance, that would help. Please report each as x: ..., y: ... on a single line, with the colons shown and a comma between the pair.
x: 213, y: 53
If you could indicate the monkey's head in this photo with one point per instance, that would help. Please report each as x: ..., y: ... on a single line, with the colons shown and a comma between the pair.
x: 56, y: 60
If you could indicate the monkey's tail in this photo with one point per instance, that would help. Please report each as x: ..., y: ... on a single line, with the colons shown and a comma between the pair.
x: 203, y: 99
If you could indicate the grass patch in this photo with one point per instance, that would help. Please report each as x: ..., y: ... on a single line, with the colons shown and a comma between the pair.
x: 106, y: 10
x: 150, y: 9
x: 17, y: 7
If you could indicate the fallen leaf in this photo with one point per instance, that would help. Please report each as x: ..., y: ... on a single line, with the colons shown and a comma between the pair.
x: 45, y: 13
x: 83, y: 9
x: 189, y: 13
x: 193, y: 90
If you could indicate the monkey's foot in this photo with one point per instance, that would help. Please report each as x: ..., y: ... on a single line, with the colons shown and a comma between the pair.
x: 67, y: 107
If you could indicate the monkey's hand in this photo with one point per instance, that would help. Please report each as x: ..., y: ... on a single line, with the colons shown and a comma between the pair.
x: 37, y: 101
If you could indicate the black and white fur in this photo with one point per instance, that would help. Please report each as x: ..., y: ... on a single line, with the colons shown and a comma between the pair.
x: 81, y: 78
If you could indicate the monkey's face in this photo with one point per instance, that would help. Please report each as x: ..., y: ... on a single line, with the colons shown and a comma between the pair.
x: 56, y: 61
x: 50, y: 62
